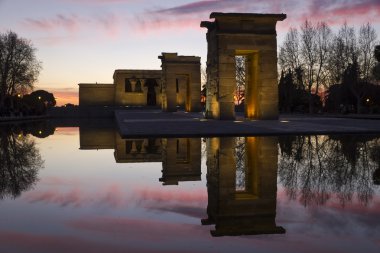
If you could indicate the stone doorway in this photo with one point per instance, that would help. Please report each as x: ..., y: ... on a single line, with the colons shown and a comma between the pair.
x: 250, y: 60
x: 183, y: 91
x: 181, y: 80
x: 151, y: 85
x: 254, y: 37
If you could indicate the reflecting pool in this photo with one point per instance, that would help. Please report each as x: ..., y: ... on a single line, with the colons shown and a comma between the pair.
x: 85, y: 189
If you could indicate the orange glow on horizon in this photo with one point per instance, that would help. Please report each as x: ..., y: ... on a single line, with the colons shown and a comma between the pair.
x: 63, y: 97
x: 67, y: 130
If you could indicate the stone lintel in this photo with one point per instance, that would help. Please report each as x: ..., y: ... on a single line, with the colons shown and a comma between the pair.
x: 248, y: 16
x: 208, y: 24
x: 243, y: 23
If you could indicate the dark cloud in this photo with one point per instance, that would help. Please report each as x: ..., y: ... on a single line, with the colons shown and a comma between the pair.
x: 195, y: 212
x: 211, y: 6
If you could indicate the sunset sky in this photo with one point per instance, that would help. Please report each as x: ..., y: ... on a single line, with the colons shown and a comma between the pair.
x: 86, y: 40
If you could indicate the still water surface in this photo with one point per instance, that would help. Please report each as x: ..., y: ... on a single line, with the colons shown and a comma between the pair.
x: 88, y: 190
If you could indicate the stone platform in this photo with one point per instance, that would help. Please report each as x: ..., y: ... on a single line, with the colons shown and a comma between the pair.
x: 135, y: 124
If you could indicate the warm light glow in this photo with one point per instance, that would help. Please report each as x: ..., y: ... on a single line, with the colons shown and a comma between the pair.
x: 39, y: 98
x: 367, y: 99
x: 40, y: 132
x: 284, y: 121
x: 238, y: 121
x: 19, y: 95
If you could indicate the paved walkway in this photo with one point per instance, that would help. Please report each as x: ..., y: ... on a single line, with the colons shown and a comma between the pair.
x: 181, y: 124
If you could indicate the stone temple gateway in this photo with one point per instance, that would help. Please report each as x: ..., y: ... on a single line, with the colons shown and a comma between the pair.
x: 254, y: 37
x: 231, y: 36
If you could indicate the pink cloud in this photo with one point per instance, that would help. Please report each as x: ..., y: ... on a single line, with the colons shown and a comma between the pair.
x: 357, y: 208
x: 102, y: 1
x: 335, y: 13
x: 188, y: 16
x: 69, y: 23
x: 111, y: 196
x: 58, y: 181
x: 138, y: 229
x: 63, y: 28
x: 153, y: 195
x: 188, y: 203
x: 194, y: 7
x: 110, y: 24
x: 27, y: 242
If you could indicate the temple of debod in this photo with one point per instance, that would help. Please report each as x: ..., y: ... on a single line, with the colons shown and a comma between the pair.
x: 178, y: 83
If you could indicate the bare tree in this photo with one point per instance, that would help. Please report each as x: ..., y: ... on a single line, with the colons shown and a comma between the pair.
x: 367, y: 42
x: 19, y: 67
x: 336, y: 62
x: 20, y: 162
x: 348, y: 36
x: 312, y: 168
x: 309, y: 57
x: 289, y: 57
x: 324, y: 39
x: 241, y: 62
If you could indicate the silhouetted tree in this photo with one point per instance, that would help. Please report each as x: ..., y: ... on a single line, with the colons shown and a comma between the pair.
x: 366, y: 45
x: 321, y: 60
x: 45, y: 97
x: 287, y: 90
x: 351, y: 80
x: 19, y: 163
x: 312, y: 168
x: 19, y: 67
x: 376, y: 68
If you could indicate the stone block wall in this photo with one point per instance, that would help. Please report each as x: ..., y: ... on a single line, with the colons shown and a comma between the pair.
x: 252, y: 36
x: 185, y: 69
x: 94, y: 94
x: 137, y: 95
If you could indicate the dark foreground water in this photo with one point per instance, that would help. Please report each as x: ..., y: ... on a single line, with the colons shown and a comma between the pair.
x: 88, y: 190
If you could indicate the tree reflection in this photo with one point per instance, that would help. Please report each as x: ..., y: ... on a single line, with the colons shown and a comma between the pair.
x: 315, y: 167
x: 19, y: 163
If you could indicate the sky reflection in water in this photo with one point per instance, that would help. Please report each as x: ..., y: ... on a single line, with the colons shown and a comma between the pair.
x: 81, y: 200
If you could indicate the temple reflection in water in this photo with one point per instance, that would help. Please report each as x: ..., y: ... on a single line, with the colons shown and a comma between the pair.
x: 242, y: 186
x: 241, y: 174
x: 180, y: 157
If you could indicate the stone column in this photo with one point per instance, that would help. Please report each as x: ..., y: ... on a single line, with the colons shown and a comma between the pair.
x: 134, y: 148
x: 143, y: 87
x: 133, y: 84
x: 143, y: 146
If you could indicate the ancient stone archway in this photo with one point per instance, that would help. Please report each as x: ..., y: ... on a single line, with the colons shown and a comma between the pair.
x: 236, y: 207
x: 177, y: 69
x: 254, y: 37
x: 151, y: 96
